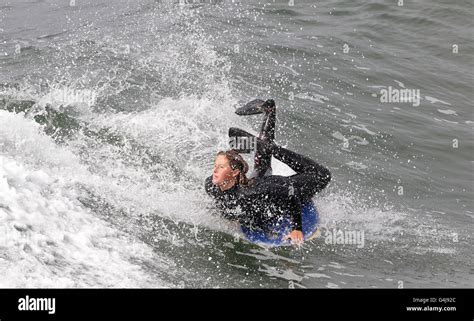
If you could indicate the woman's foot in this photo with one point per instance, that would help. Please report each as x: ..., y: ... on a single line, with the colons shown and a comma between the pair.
x: 256, y: 107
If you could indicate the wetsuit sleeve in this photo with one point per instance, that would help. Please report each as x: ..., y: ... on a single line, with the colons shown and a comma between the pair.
x: 310, y: 177
x: 295, y: 210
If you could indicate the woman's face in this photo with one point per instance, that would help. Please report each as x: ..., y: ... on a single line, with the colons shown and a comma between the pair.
x: 223, y: 174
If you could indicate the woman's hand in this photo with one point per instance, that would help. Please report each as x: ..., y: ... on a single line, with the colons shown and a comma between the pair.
x: 296, y: 237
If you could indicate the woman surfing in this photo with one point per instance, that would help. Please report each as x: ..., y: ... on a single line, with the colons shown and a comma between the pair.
x: 271, y: 209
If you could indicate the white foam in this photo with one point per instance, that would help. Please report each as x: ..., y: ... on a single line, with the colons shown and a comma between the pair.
x: 436, y: 100
x: 447, y: 112
x: 399, y: 83
x: 184, y: 134
x: 49, y: 239
x: 356, y: 165
x: 364, y: 128
x: 445, y: 120
x: 312, y: 97
x: 346, y: 212
x: 332, y: 285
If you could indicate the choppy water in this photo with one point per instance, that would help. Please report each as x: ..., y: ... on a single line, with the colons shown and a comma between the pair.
x: 111, y: 113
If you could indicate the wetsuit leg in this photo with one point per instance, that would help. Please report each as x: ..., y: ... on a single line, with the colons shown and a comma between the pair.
x: 263, y: 155
x: 310, y: 176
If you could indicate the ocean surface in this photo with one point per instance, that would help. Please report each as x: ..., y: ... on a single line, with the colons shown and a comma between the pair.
x: 111, y: 113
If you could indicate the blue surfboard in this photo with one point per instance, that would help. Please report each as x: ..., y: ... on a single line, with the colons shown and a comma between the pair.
x: 310, y: 224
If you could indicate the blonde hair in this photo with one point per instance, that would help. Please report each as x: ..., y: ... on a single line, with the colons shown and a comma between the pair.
x: 237, y: 162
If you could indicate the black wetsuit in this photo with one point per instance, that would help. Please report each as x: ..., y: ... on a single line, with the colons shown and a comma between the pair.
x: 268, y: 199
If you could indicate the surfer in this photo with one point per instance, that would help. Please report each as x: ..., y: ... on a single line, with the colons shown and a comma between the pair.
x: 263, y: 200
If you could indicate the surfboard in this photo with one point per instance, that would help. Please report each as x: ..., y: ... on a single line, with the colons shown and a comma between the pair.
x: 274, y: 238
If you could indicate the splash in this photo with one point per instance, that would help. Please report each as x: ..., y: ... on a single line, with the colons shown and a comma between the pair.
x: 48, y: 238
